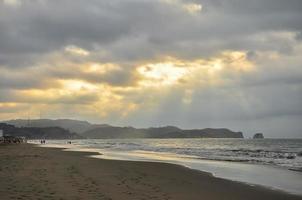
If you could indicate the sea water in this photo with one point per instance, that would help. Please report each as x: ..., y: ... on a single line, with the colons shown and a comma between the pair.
x: 274, y: 163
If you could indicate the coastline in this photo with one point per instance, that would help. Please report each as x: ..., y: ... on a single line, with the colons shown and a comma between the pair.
x: 248, y: 173
x: 31, y: 172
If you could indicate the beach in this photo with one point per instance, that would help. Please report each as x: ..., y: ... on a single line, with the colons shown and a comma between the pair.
x: 31, y: 172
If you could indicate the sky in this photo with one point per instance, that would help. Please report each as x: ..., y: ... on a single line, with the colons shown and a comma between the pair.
x: 190, y: 63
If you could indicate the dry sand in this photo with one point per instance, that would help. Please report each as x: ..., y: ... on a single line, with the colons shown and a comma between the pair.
x: 31, y: 172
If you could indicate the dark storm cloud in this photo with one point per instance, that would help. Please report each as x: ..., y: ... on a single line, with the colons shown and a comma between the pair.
x: 44, y: 26
x: 25, y: 80
x: 129, y: 32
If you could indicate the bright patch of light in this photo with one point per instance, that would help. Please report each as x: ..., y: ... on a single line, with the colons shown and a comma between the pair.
x: 76, y: 50
x: 237, y: 61
x: 77, y: 85
x: 161, y: 73
x: 216, y: 66
x: 192, y: 7
x: 12, y: 2
x: 102, y: 68
x: 189, y: 7
x: 6, y: 105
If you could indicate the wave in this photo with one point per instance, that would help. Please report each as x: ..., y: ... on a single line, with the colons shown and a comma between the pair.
x: 283, y: 153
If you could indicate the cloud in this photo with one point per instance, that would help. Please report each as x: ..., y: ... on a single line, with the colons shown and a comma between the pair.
x: 12, y: 2
x: 76, y: 50
x: 189, y: 7
x: 192, y: 63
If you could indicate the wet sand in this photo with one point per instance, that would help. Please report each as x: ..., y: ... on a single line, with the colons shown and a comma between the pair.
x: 31, y: 172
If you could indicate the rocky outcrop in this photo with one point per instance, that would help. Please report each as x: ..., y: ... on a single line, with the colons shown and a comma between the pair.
x: 258, y: 136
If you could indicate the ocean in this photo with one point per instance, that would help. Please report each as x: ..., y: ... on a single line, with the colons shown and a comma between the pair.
x: 274, y: 163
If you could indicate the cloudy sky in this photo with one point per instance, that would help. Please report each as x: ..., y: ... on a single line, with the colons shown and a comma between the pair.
x: 190, y: 63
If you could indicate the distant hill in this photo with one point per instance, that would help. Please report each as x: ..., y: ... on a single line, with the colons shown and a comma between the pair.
x: 76, y: 126
x: 39, y: 133
x: 113, y: 132
x: 161, y: 132
x: 213, y: 133
x: 102, y: 131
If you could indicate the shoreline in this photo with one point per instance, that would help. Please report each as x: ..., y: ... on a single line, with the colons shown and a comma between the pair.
x: 246, y: 173
x: 28, y: 172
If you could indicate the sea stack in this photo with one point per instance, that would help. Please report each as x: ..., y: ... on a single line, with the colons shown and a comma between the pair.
x: 258, y: 136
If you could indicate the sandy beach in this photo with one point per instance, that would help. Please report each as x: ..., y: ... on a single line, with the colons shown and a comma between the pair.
x: 31, y: 172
